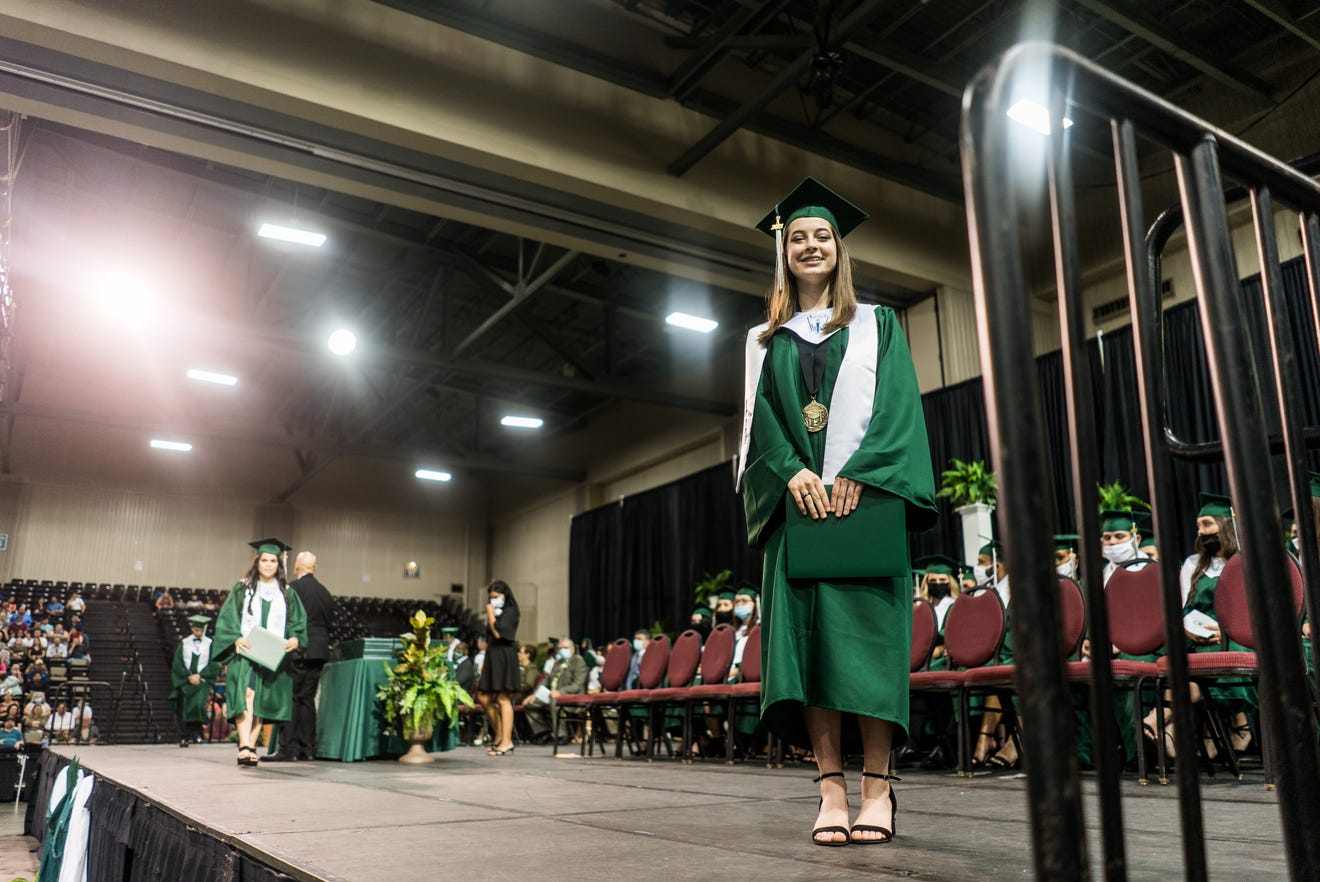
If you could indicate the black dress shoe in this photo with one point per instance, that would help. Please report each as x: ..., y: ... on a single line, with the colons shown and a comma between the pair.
x: 279, y: 758
x: 907, y: 755
x: 937, y: 759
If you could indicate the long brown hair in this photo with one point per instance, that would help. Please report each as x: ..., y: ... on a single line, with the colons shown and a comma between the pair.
x: 781, y: 303
x: 253, y: 576
x: 1227, y: 548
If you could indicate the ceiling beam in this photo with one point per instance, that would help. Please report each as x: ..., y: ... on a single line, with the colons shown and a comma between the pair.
x: 523, y: 291
x: 1305, y: 30
x: 320, y: 444
x: 1177, y: 45
x: 854, y: 21
x: 709, y: 53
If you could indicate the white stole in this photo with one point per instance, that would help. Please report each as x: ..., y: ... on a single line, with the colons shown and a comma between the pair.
x: 854, y: 389
x: 265, y: 591
x: 201, y: 649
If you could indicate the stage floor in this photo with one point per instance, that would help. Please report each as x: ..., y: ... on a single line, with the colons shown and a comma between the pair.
x: 468, y: 815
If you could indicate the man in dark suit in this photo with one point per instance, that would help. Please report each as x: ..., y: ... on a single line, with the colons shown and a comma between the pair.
x: 298, y: 736
x: 567, y: 677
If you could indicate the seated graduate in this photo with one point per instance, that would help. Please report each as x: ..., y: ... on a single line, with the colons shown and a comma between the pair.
x: 1119, y: 540
x: 939, y: 587
x: 1294, y: 548
x: 992, y: 573
x: 701, y: 621
x: 1066, y: 562
x: 192, y: 676
x: 1216, y: 543
x: 1147, y: 545
x: 746, y: 615
x: 724, y: 608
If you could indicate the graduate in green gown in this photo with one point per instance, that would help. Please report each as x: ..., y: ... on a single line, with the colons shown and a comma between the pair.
x: 192, y: 676
x: 832, y: 412
x: 1216, y: 542
x: 261, y: 599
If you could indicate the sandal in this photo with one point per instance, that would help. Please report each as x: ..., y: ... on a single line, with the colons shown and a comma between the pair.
x: 830, y: 829
x: 495, y: 751
x: 886, y: 833
x: 998, y: 762
x: 980, y: 763
x: 1246, y: 735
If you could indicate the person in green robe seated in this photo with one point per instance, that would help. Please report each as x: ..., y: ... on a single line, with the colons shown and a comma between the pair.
x: 930, y: 740
x: 1216, y: 543
x: 1000, y: 754
x: 192, y: 675
x: 833, y: 430
x: 260, y: 611
x: 1120, y: 540
x: 1294, y: 548
x: 724, y: 608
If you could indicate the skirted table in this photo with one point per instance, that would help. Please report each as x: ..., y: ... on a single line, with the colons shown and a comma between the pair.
x: 348, y: 719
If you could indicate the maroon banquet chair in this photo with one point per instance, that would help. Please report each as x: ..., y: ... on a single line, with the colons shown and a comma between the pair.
x: 650, y: 674
x: 618, y: 659
x: 684, y: 658
x: 1227, y: 666
x: 924, y: 633
x: 1136, y: 627
x: 716, y: 658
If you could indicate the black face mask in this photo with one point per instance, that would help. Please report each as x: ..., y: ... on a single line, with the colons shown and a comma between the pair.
x: 1211, y: 544
x: 939, y: 590
x: 702, y: 627
x: 724, y: 617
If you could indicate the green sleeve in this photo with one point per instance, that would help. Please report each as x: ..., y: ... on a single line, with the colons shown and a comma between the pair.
x: 772, y: 461
x: 295, y: 617
x: 228, y: 625
x: 894, y: 454
x: 212, y: 669
x: 178, y: 670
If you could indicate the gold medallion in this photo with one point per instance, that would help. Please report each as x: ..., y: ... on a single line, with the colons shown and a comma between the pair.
x: 815, y: 415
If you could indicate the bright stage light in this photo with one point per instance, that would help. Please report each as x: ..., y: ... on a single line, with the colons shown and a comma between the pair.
x: 123, y: 297
x: 177, y: 446
x: 1034, y: 116
x: 519, y: 422
x: 291, y: 234
x: 212, y: 377
x: 342, y: 341
x: 691, y: 322
x: 432, y: 475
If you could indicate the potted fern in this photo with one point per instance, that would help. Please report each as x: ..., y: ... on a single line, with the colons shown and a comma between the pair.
x: 709, y: 586
x: 1115, y: 497
x: 420, y: 690
x: 970, y: 488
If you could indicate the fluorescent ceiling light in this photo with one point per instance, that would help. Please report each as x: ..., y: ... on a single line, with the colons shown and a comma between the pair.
x: 290, y: 234
x: 518, y: 422
x: 212, y: 377
x: 432, y: 475
x: 691, y: 322
x: 180, y: 446
x: 1034, y: 116
x: 342, y: 341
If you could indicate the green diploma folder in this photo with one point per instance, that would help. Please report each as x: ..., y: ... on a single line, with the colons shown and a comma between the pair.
x: 869, y: 543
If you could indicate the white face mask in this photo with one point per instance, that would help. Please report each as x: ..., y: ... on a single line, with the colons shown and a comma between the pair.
x: 986, y: 574
x: 1067, y: 570
x: 497, y: 602
x: 1119, y: 554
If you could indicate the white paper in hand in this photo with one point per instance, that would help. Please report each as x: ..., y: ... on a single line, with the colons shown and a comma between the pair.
x: 267, y: 648
x: 1195, y: 623
x: 542, y: 694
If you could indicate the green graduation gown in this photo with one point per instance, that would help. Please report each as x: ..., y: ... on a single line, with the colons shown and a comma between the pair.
x: 1232, y: 699
x: 841, y: 645
x: 188, y: 700
x: 272, y: 691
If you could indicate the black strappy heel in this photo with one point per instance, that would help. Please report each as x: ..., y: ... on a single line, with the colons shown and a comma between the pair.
x: 887, y: 833
x: 832, y: 829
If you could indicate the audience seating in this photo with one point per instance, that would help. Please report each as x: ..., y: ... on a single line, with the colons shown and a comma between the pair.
x: 613, y: 676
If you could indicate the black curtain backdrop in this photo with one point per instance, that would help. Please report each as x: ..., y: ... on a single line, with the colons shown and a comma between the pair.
x: 637, y: 561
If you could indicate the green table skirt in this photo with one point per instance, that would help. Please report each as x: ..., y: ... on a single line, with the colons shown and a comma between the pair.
x: 349, y: 722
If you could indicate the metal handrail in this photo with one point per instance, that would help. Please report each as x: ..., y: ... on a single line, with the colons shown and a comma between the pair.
x: 1021, y: 453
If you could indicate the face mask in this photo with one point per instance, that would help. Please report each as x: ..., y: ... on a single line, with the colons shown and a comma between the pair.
x: 497, y: 602
x: 939, y: 590
x: 638, y: 645
x: 985, y: 574
x: 565, y: 653
x: 724, y: 617
x: 742, y: 610
x: 1211, y: 544
x: 1119, y: 554
x: 1067, y: 570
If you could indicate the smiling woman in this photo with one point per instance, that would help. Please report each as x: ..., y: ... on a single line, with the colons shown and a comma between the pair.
x: 834, y: 440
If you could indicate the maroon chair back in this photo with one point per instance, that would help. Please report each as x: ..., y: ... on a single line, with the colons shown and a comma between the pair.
x: 751, y: 659
x: 1072, y: 617
x: 655, y: 663
x: 1136, y: 614
x: 718, y: 655
x: 618, y: 658
x: 923, y: 634
x: 1231, y: 600
x: 684, y: 658
x: 974, y: 628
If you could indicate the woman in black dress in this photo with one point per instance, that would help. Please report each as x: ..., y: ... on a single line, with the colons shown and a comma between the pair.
x: 500, y: 677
